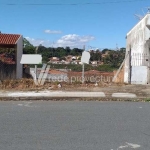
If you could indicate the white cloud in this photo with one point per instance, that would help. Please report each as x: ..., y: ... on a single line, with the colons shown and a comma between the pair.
x: 37, y: 42
x: 53, y: 32
x: 71, y: 40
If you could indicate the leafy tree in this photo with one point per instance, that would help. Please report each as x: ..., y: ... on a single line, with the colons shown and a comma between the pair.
x: 95, y: 55
x: 114, y: 58
x: 105, y: 50
x: 68, y: 50
x: 60, y: 52
x: 28, y: 47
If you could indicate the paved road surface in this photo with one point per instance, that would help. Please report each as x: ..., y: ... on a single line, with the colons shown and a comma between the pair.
x: 49, y: 125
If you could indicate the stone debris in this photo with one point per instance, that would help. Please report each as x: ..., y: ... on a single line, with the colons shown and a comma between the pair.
x: 96, y: 84
x: 59, y: 85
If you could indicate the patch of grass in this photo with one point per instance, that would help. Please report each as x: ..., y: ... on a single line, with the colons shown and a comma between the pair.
x: 17, y: 84
x: 147, y: 99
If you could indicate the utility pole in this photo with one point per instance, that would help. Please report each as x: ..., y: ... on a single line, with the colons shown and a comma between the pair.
x: 53, y: 49
x: 117, y: 47
x: 36, y: 65
x: 130, y: 67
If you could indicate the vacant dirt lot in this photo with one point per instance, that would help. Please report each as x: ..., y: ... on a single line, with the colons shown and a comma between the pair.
x: 108, y: 88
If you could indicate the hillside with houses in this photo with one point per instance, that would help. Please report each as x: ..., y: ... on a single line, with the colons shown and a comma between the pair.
x: 61, y: 57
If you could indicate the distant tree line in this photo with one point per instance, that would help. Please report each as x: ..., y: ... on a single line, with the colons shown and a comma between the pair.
x: 111, y: 60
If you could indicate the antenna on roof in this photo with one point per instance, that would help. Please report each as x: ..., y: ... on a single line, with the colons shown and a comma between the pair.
x: 148, y: 10
x: 143, y: 12
x: 117, y: 48
x: 139, y: 17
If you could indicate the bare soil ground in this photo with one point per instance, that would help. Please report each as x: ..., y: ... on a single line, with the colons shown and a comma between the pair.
x: 108, y: 88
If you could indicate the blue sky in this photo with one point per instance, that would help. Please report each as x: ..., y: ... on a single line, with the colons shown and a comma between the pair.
x: 100, y: 25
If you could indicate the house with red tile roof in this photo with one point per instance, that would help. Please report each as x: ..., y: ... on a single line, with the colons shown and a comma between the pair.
x: 12, y: 41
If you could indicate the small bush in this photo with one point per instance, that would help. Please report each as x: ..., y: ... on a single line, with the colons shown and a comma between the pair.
x: 147, y: 99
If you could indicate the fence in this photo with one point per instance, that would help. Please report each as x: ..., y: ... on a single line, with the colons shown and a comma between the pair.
x: 140, y: 59
x: 7, y: 71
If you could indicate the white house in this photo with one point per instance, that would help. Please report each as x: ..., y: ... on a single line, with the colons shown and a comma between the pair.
x: 137, y: 61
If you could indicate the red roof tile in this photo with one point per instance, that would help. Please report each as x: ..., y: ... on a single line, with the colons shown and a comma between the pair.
x: 9, y: 39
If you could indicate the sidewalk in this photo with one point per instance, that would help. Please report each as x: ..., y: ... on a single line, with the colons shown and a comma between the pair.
x: 126, y: 92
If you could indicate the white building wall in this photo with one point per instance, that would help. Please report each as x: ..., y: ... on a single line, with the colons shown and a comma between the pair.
x: 138, y: 41
x: 139, y: 75
x: 19, y: 67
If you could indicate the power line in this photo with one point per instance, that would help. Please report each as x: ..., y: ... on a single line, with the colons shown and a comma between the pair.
x: 73, y: 4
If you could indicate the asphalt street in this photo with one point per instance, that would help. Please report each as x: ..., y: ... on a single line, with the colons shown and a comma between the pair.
x: 74, y: 125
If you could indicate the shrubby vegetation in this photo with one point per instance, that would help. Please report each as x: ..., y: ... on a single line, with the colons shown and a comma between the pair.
x: 111, y: 61
x: 78, y: 68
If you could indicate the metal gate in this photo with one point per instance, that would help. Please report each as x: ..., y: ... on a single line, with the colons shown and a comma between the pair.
x: 140, y: 70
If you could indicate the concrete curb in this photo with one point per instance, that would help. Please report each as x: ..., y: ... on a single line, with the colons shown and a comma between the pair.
x: 54, y: 94
x: 69, y: 96
x: 126, y: 95
x: 69, y: 99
